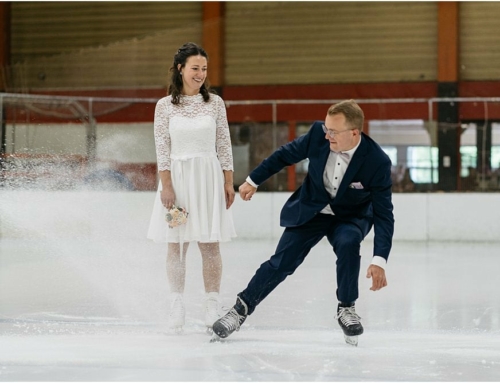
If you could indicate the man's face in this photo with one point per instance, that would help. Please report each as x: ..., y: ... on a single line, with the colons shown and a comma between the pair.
x: 344, y: 138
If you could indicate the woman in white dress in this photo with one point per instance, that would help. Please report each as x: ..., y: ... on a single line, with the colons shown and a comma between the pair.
x: 195, y: 166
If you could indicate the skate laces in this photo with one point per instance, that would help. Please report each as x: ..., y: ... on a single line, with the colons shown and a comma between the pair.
x: 231, y: 320
x: 348, y: 316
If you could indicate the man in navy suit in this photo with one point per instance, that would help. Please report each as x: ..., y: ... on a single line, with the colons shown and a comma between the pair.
x: 347, y: 191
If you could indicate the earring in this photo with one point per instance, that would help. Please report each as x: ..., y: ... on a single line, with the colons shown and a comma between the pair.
x: 180, y: 73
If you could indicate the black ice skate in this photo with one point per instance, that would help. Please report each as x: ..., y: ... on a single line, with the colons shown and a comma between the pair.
x: 230, y: 322
x: 350, y: 324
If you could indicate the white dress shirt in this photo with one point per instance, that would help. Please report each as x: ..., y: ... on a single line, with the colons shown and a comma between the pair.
x: 335, y: 168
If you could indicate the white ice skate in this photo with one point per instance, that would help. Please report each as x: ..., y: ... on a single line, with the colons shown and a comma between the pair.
x: 177, y: 315
x: 211, y: 310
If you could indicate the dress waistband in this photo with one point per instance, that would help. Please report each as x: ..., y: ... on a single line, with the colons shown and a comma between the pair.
x: 186, y: 157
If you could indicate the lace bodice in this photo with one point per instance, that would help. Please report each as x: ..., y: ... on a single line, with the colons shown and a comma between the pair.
x: 192, y: 128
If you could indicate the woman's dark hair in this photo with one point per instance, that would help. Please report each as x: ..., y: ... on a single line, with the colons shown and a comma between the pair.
x: 182, y: 55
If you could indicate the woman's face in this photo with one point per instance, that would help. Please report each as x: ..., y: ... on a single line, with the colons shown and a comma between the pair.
x: 194, y: 74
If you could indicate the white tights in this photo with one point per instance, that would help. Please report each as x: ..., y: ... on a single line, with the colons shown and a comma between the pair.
x: 212, y: 266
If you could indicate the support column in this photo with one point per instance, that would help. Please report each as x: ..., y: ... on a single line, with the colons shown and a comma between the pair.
x: 448, y: 112
x: 213, y: 42
x: 483, y: 143
x: 4, y: 40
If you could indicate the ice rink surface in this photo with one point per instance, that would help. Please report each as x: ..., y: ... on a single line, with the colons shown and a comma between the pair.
x: 95, y: 310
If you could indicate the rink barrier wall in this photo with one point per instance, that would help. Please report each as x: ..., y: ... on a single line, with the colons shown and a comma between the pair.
x: 465, y: 217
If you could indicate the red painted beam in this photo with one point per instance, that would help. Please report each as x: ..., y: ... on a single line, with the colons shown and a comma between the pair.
x: 479, y: 89
x: 312, y: 112
x: 331, y: 91
x: 301, y: 113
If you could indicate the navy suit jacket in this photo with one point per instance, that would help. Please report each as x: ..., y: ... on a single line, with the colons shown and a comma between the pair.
x: 366, y: 207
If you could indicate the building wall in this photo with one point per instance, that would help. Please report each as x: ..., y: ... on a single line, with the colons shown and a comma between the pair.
x: 479, y: 31
x: 98, y: 45
x: 330, y: 42
x: 103, y: 45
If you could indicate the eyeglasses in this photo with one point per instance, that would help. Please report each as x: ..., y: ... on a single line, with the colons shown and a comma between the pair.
x: 333, y: 133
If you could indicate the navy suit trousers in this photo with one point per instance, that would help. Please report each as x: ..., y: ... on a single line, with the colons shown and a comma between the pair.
x: 292, y: 249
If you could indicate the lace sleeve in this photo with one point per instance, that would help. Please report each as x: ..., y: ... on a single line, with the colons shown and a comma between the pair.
x: 223, y: 139
x: 162, y: 135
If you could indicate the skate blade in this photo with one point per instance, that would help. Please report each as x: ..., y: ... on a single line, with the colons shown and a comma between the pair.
x: 215, y: 338
x: 352, y: 340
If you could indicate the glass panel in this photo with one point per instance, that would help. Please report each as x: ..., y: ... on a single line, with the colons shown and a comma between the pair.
x: 495, y: 157
x: 423, y: 164
x: 392, y: 152
x: 468, y: 158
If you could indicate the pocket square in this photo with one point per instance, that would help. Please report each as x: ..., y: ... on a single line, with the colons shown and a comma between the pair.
x: 356, y: 185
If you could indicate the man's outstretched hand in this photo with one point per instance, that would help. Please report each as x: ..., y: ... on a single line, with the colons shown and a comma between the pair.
x: 246, y: 191
x: 377, y: 274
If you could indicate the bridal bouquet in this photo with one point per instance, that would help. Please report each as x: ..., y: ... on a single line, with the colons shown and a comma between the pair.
x: 176, y: 216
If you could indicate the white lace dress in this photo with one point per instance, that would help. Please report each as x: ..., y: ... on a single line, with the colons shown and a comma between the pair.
x: 193, y: 142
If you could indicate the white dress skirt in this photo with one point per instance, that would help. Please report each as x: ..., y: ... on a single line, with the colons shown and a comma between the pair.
x: 196, y: 173
x: 199, y: 187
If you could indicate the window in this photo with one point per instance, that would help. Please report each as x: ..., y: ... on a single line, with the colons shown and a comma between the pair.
x: 495, y: 157
x: 392, y: 152
x: 468, y: 156
x: 423, y: 164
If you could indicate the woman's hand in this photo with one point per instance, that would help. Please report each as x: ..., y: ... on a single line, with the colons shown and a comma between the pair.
x: 167, y: 196
x: 229, y: 192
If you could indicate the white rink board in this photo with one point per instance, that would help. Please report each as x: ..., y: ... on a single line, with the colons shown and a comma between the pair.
x: 463, y: 217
